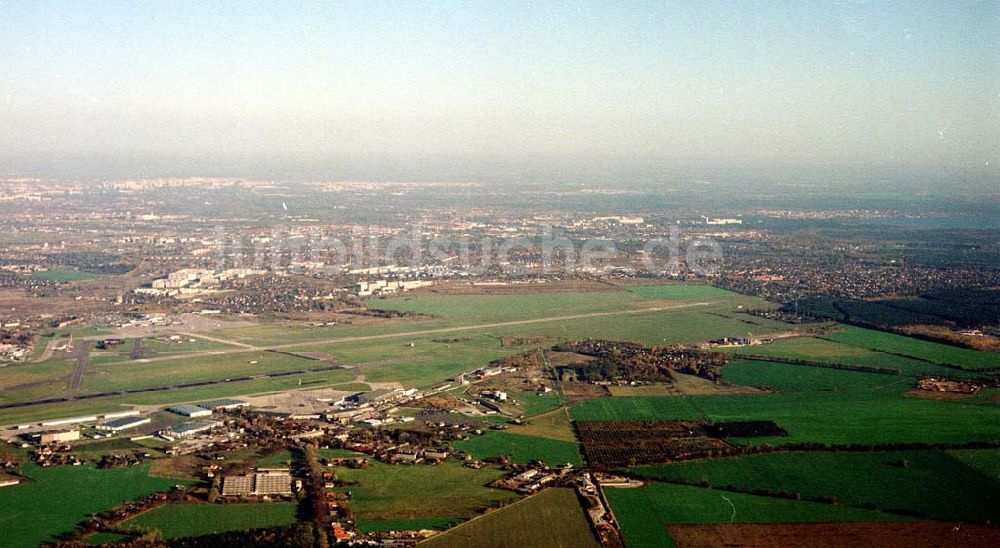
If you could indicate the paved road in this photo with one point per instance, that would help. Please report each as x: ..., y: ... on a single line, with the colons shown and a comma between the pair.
x: 81, y: 351
x: 76, y: 379
x: 219, y: 340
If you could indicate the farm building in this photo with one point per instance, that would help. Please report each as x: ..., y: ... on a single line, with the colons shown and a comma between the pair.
x: 192, y: 411
x: 58, y: 435
x: 495, y: 394
x: 223, y: 404
x: 436, y: 454
x: 192, y: 428
x: 265, y: 481
x: 123, y: 423
x: 402, y: 456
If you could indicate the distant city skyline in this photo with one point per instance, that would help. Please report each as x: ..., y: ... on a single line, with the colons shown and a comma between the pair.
x: 492, y: 90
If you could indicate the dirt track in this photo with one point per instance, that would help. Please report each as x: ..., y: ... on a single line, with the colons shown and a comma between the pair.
x: 50, y: 348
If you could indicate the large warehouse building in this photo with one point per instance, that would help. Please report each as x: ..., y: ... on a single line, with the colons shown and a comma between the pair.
x: 223, y: 404
x: 58, y: 435
x: 123, y: 423
x: 192, y: 411
x: 192, y: 428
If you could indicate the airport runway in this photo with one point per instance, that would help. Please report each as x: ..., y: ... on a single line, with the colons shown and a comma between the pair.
x: 77, y: 378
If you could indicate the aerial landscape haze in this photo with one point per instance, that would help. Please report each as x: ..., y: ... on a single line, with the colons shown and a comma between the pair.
x: 495, y: 274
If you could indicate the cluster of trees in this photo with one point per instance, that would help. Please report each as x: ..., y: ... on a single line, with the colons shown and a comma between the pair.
x: 522, y: 360
x: 92, y: 261
x: 120, y: 460
x: 19, y: 338
x: 317, y: 498
x: 520, y: 341
x: 785, y: 314
x: 967, y: 307
x: 379, y: 313
x: 631, y: 361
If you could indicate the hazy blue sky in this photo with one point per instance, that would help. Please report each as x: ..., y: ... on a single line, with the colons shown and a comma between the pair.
x: 495, y: 84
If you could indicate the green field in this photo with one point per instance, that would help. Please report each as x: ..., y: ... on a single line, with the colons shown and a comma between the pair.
x: 335, y: 453
x: 521, y: 448
x: 635, y: 408
x: 823, y: 350
x: 185, y: 345
x: 552, y: 518
x: 153, y: 348
x: 553, y: 425
x: 790, y: 378
x: 93, y: 450
x: 931, y: 484
x: 683, y: 325
x: 60, y: 497
x: 447, y: 490
x: 125, y: 376
x: 500, y: 308
x: 30, y: 381
x: 825, y: 417
x: 188, y: 520
x: 683, y: 292
x: 533, y: 403
x: 986, y: 461
x: 450, y: 311
x: 917, y: 348
x: 279, y: 458
x: 439, y: 524
x: 644, y: 513
x: 64, y: 275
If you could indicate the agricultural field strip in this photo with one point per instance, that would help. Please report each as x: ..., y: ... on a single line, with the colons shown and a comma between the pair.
x: 874, y: 347
x: 186, y: 520
x: 481, y: 516
x: 893, y: 481
x: 534, y: 506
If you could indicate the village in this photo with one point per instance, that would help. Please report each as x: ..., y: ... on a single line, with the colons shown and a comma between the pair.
x: 395, y: 427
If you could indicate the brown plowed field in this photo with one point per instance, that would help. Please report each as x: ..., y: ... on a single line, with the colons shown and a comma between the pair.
x: 836, y: 535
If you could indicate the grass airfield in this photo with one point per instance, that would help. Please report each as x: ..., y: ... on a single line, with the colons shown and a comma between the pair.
x: 406, y: 349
